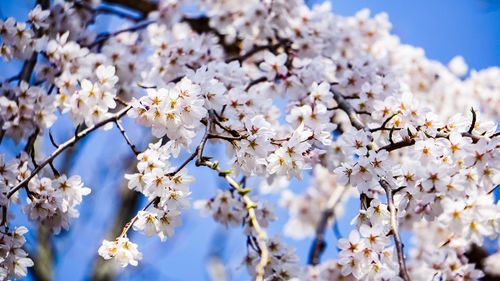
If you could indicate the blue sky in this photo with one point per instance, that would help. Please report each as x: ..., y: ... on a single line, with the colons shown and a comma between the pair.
x: 443, y: 28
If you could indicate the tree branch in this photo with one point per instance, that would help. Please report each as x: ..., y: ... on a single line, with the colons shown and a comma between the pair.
x: 397, y: 145
x: 124, y: 134
x: 132, y: 221
x: 103, y: 37
x: 66, y: 145
x: 256, y: 49
x: 142, y: 6
x: 348, y: 109
x: 403, y: 273
x: 250, y: 205
x: 473, y: 123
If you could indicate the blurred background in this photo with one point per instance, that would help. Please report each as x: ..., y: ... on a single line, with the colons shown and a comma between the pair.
x: 443, y: 29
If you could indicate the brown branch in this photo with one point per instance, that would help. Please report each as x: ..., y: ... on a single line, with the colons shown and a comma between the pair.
x: 403, y: 273
x: 473, y: 123
x: 250, y: 205
x: 134, y: 219
x: 397, y: 145
x: 469, y: 135
x: 28, y: 67
x: 348, y: 109
x: 52, y: 139
x: 227, y: 138
x: 216, y: 121
x: 124, y: 134
x: 493, y: 189
x: 256, y: 49
x: 103, y: 37
x: 66, y: 145
x: 29, y: 64
x: 255, y: 82
x: 492, y: 136
x: 201, y: 146
x: 195, y: 153
x: 142, y: 6
x: 382, y: 127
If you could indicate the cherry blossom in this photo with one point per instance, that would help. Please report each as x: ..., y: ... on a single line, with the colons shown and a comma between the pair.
x: 290, y: 92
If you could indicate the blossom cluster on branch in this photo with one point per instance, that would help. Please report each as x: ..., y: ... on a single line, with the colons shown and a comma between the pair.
x: 372, y: 118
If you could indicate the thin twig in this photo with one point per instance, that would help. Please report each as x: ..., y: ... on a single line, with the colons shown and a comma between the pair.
x: 101, y: 38
x: 250, y: 205
x: 52, y: 139
x: 382, y: 127
x: 204, y: 139
x: 66, y: 145
x: 124, y: 134
x: 132, y: 221
x: 255, y: 82
x: 120, y: 101
x: 195, y: 153
x: 216, y: 121
x: 227, y: 138
x: 473, y: 123
x: 256, y: 49
x: 494, y: 188
x: 403, y: 273
x: 54, y: 170
x: 144, y: 6
x: 495, y: 135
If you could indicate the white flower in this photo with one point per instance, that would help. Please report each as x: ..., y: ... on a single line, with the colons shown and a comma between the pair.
x: 124, y: 251
x: 458, y: 66
x: 274, y: 65
x: 37, y: 17
x: 14, y: 261
x: 106, y: 75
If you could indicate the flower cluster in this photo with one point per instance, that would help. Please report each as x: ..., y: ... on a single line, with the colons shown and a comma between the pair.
x: 174, y: 111
x: 26, y: 110
x: 225, y: 208
x: 11, y: 173
x: 52, y: 202
x: 368, y: 257
x: 18, y: 39
x: 85, y: 93
x: 168, y: 192
x: 440, y: 254
x: 14, y: 261
x: 284, y: 87
x: 122, y: 250
x: 282, y: 265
